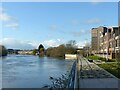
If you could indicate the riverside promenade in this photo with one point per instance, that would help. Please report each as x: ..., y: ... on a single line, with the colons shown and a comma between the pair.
x: 87, y: 75
x: 91, y: 75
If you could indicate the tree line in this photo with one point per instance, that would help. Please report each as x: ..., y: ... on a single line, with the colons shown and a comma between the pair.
x: 59, y: 51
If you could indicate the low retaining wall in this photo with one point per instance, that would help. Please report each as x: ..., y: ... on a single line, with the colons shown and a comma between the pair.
x: 70, y: 56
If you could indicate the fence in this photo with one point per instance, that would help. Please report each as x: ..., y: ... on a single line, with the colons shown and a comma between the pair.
x: 72, y: 81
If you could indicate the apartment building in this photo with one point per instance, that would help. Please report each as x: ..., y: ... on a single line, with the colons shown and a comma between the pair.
x: 94, y: 41
x: 97, y: 39
x: 113, y: 40
x: 108, y: 42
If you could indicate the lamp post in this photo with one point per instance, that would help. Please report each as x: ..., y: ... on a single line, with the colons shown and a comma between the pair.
x: 87, y: 47
x: 107, y: 46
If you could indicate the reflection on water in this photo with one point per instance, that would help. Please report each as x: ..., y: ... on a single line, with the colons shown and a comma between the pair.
x: 25, y: 71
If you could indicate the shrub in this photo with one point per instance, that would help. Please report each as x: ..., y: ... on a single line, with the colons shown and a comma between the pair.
x: 60, y: 51
x: 3, y: 51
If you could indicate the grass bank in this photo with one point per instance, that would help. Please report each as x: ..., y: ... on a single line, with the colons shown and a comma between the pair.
x: 113, y: 68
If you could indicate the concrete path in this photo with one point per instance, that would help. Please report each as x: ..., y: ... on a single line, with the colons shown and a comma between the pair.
x: 92, y: 76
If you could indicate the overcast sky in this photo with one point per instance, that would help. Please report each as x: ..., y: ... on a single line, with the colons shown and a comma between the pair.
x: 25, y: 25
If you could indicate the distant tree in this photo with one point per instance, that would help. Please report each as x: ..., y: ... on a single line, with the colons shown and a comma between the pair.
x: 56, y: 51
x: 41, y: 50
x: 48, y: 51
x: 87, y: 49
x: 61, y: 50
x: 71, y: 47
x: 3, y: 51
x: 40, y: 46
x: 71, y: 43
x: 70, y: 50
x: 34, y: 51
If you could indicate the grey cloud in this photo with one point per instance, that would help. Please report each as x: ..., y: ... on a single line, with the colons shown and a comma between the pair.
x: 92, y: 21
x: 16, y: 44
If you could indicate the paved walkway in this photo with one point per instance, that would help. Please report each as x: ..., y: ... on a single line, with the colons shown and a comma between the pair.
x: 92, y: 76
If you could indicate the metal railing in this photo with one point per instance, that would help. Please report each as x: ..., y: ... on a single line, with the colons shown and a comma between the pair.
x: 73, y: 77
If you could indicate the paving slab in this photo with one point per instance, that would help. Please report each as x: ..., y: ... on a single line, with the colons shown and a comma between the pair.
x: 99, y: 83
x: 96, y: 77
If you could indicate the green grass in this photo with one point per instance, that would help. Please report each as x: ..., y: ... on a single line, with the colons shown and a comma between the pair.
x: 96, y: 58
x: 102, y: 59
x: 113, y: 68
x: 93, y: 57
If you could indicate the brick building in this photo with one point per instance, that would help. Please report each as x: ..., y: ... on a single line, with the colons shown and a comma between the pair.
x: 107, y: 42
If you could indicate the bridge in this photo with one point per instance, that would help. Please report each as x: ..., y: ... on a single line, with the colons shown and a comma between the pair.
x: 85, y: 75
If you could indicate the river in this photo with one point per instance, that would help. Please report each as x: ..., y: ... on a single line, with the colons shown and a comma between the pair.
x: 27, y: 71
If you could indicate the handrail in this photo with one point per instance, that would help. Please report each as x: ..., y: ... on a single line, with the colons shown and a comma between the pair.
x: 75, y: 76
x: 73, y: 81
x: 72, y: 76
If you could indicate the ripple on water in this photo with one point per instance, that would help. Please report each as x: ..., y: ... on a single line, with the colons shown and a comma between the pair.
x: 21, y: 71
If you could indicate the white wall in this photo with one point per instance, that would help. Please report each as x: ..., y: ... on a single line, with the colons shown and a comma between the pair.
x: 70, y: 56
